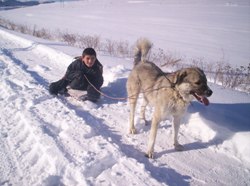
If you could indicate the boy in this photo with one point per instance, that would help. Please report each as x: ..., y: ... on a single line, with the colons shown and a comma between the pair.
x: 87, y: 65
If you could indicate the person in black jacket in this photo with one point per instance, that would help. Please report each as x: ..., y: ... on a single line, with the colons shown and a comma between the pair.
x: 86, y: 65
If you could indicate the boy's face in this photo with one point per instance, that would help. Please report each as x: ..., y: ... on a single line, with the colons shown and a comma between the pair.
x: 89, y: 60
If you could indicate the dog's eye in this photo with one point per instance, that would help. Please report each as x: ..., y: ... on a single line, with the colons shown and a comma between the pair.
x: 198, y: 82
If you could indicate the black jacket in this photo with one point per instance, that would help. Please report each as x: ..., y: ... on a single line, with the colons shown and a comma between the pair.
x: 77, y: 69
x: 74, y: 78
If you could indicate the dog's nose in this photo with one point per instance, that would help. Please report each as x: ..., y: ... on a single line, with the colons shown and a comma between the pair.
x: 209, y: 92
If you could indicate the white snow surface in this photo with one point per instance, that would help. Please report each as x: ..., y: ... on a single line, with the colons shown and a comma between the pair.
x: 47, y: 140
x: 214, y: 30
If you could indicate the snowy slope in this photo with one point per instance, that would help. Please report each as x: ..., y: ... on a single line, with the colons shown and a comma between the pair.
x: 212, y: 29
x: 46, y: 140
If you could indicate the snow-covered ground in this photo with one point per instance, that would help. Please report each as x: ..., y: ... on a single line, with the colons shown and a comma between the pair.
x: 46, y: 140
x: 211, y: 29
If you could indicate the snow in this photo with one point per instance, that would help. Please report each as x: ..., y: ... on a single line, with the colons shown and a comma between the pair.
x: 51, y: 141
x: 210, y: 29
x: 47, y: 140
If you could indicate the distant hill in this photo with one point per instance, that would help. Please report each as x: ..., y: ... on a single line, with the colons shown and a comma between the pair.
x: 9, y: 4
x: 18, y: 3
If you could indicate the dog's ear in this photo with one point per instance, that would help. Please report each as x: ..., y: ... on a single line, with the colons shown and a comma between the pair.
x: 180, y: 76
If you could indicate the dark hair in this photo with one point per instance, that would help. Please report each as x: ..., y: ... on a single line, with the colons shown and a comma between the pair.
x: 89, y: 51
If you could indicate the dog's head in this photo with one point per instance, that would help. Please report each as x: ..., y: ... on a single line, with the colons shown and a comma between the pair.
x: 192, y: 82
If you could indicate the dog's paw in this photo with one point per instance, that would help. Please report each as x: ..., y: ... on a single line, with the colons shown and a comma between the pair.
x: 149, y: 155
x: 178, y: 147
x: 132, y: 131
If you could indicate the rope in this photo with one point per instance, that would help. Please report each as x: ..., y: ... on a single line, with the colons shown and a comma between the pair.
x: 130, y: 97
x: 105, y: 95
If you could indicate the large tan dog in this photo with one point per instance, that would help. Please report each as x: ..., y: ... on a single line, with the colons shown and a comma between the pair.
x: 168, y: 93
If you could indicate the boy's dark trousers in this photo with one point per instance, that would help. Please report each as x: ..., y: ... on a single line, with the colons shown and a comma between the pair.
x: 77, y: 81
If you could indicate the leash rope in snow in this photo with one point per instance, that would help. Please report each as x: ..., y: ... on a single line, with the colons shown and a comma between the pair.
x: 123, y: 98
x: 105, y: 95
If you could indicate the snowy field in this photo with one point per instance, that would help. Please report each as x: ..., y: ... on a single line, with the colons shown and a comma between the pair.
x: 211, y: 29
x: 46, y: 140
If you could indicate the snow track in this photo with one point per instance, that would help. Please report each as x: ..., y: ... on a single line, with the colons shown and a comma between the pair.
x: 31, y: 139
x: 46, y: 140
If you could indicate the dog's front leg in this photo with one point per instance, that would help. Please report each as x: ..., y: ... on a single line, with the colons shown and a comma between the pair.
x: 177, y: 122
x: 152, y: 137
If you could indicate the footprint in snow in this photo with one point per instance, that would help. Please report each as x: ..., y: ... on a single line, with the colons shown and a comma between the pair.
x: 41, y: 68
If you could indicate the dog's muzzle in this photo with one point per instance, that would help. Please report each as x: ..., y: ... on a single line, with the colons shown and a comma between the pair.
x: 208, y: 92
x: 203, y: 97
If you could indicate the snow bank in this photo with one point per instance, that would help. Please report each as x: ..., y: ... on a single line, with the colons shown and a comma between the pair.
x: 214, y: 30
x: 56, y: 56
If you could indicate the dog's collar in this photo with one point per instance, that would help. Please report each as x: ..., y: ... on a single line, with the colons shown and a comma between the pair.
x: 172, y: 85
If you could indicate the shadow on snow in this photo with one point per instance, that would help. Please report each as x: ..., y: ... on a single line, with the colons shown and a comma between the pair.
x: 232, y: 117
x: 160, y: 173
x: 116, y: 90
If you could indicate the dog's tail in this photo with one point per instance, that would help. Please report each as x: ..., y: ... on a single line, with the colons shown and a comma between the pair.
x: 142, y: 48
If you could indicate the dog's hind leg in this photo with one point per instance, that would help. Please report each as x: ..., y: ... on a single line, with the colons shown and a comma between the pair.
x: 143, y: 109
x: 132, y: 129
x: 133, y: 90
x: 153, y: 131
x: 176, y: 125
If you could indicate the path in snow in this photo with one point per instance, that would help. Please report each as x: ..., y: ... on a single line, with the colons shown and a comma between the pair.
x: 46, y: 140
x: 43, y: 138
